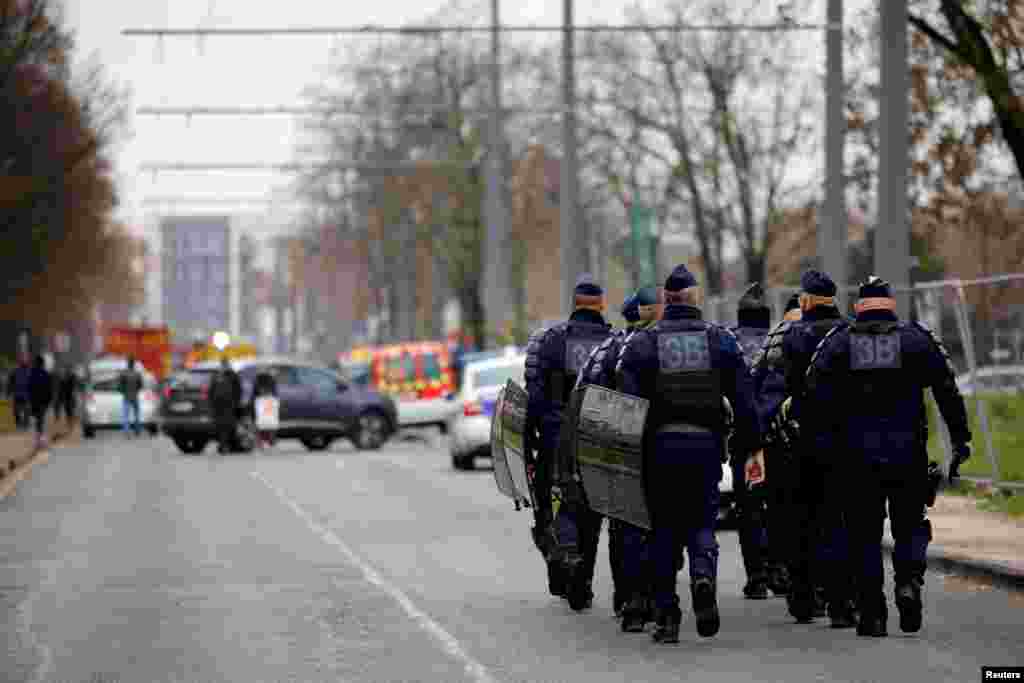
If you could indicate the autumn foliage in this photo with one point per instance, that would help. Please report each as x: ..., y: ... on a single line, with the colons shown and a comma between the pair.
x: 62, y: 252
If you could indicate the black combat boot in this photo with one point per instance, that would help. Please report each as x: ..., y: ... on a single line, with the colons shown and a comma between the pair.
x: 635, y: 615
x: 578, y: 591
x: 756, y: 588
x: 820, y: 602
x: 556, y: 579
x: 705, y: 606
x: 618, y: 603
x: 874, y: 617
x: 801, y: 604
x: 908, y: 602
x: 666, y: 628
x: 778, y: 581
x: 842, y: 614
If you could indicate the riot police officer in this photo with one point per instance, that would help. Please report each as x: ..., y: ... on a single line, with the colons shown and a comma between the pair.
x: 769, y: 392
x: 685, y: 366
x: 817, y: 511
x: 627, y: 544
x: 554, y: 359
x: 877, y: 369
x: 754, y: 318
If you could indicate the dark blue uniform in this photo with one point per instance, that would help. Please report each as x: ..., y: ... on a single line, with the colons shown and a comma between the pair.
x: 821, y: 552
x: 600, y: 370
x: 553, y: 362
x: 768, y: 372
x: 685, y: 366
x: 751, y: 504
x: 877, y: 370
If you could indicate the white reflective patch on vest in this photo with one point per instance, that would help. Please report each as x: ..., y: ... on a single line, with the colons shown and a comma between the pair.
x: 577, y: 351
x: 875, y: 352
x: 684, y: 351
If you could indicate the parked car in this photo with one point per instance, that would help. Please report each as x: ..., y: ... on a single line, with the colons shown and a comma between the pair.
x: 317, y: 406
x: 470, y: 427
x: 103, y: 406
x: 993, y: 379
x: 420, y: 379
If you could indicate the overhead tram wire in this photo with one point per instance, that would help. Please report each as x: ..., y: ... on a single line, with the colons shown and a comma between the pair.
x: 467, y: 28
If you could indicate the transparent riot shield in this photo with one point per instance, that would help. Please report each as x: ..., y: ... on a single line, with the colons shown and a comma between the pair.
x: 609, y: 450
x: 512, y: 430
x: 502, y: 474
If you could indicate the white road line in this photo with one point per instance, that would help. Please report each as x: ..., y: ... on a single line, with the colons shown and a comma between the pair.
x: 474, y: 669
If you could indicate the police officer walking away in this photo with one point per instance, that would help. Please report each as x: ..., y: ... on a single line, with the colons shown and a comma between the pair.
x: 769, y: 376
x: 754, y: 319
x: 225, y: 399
x: 878, y: 369
x: 627, y: 545
x: 817, y: 523
x: 685, y: 367
x: 554, y: 359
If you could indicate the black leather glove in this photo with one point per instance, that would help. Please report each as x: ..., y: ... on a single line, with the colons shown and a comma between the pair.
x: 961, y: 453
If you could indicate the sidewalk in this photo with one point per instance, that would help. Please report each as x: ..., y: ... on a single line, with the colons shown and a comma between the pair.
x: 970, y: 542
x: 18, y: 453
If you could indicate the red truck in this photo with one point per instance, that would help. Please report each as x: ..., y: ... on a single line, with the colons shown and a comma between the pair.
x: 151, y: 346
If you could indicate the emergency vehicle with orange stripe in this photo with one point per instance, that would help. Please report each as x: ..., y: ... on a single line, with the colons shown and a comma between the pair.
x: 421, y: 380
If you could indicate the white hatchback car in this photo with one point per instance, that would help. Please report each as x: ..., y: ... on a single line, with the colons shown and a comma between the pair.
x: 469, y: 429
x: 102, y: 407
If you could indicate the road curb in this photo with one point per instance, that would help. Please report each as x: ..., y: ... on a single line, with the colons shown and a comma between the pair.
x: 23, y: 469
x: 997, y: 573
x: 9, y: 484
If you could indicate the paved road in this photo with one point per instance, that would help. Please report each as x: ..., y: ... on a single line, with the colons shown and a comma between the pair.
x: 126, y: 561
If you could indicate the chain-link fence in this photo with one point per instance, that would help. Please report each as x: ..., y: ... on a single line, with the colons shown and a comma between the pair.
x: 981, y: 324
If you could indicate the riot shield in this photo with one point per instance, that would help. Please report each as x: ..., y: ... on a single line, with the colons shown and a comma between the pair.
x: 565, y: 466
x: 502, y: 475
x: 609, y: 450
x: 512, y: 429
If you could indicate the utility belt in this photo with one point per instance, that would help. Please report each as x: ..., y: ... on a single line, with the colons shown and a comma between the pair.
x: 682, y: 428
x: 692, y: 429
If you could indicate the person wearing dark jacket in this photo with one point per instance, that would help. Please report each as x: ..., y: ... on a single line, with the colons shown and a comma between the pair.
x: 18, y: 390
x: 67, y: 390
x: 685, y: 367
x: 877, y: 369
x: 130, y: 384
x: 754, y: 320
x: 40, y: 395
x: 554, y: 359
x: 225, y: 401
x: 821, y: 553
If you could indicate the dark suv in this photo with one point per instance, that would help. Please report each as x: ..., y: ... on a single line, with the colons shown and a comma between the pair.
x: 317, y: 406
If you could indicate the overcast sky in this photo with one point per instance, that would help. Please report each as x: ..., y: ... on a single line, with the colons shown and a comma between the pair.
x: 235, y: 71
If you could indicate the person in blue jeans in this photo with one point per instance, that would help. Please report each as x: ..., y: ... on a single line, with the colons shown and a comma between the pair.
x: 130, y: 384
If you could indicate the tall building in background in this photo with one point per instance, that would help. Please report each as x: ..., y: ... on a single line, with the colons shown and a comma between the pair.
x: 196, y: 259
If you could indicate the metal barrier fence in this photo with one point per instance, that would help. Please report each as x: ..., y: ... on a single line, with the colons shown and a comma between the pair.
x: 981, y: 324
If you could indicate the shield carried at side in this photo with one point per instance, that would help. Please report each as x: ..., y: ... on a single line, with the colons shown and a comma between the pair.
x: 502, y: 474
x: 609, y: 450
x: 512, y: 429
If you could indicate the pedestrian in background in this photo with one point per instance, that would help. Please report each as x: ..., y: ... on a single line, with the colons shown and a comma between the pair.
x: 18, y: 391
x: 265, y: 408
x: 130, y: 384
x: 67, y: 390
x: 225, y: 400
x: 40, y: 396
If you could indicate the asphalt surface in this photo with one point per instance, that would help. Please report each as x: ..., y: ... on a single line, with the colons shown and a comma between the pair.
x: 125, y: 561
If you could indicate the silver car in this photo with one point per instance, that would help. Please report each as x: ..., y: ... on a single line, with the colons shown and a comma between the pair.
x: 103, y: 407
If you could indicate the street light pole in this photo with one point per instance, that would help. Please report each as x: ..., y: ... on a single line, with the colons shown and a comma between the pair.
x: 892, y: 233
x: 572, y: 248
x: 496, y: 295
x: 832, y: 227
